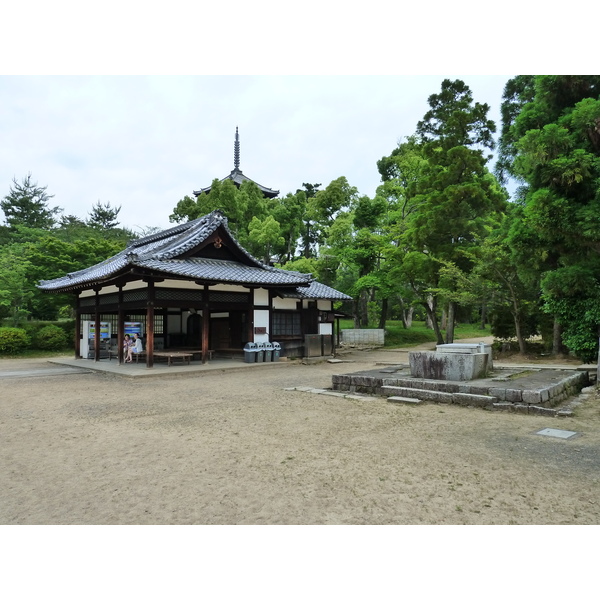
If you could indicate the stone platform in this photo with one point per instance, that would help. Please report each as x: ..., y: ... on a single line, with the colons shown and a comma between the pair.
x: 524, y: 390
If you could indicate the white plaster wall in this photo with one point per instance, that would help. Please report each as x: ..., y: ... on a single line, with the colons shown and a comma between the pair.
x: 175, y: 284
x: 261, y: 319
x: 326, y: 328
x: 285, y: 303
x: 135, y: 285
x: 324, y: 304
x: 261, y: 297
x: 225, y: 287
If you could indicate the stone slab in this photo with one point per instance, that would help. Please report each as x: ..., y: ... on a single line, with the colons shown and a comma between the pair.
x: 402, y: 399
x: 563, y: 434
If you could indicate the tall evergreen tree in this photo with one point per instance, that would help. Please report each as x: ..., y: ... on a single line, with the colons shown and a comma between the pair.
x: 27, y: 204
x: 556, y: 141
x: 103, y: 216
x: 456, y: 193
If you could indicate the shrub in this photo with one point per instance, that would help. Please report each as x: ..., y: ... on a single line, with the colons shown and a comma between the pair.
x: 51, y: 337
x: 13, y: 340
x: 33, y: 329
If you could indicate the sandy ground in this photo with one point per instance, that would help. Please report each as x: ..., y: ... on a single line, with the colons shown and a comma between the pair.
x: 236, y: 448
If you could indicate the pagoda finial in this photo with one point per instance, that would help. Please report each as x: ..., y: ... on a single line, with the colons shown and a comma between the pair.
x: 236, y: 151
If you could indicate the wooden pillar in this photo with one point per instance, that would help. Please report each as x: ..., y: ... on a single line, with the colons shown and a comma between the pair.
x: 77, y: 328
x: 250, y: 324
x: 120, y: 326
x: 150, y: 326
x: 97, y: 327
x: 205, y: 324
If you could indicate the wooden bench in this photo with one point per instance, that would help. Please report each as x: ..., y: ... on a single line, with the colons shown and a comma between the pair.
x: 114, y: 352
x: 185, y: 356
x: 195, y: 352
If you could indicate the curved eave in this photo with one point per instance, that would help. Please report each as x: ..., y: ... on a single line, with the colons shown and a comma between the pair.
x: 238, y: 178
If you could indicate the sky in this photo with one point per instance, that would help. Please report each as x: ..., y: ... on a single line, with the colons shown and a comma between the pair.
x: 144, y: 142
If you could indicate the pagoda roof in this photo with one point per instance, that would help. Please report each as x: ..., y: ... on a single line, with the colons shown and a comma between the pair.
x: 237, y: 176
x: 202, y: 250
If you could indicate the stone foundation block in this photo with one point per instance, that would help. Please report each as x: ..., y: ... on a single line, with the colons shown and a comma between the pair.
x: 499, y: 393
x: 514, y: 396
x: 472, y: 399
x: 531, y: 396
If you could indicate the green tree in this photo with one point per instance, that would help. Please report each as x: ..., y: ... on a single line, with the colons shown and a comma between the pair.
x: 15, y: 289
x: 264, y: 235
x: 556, y: 143
x: 103, y: 216
x: 401, y: 173
x: 309, y: 234
x: 239, y: 205
x: 27, y: 204
x: 288, y: 211
x: 456, y: 193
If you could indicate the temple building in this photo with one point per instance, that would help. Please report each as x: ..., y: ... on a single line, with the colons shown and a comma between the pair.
x: 237, y: 176
x: 195, y: 287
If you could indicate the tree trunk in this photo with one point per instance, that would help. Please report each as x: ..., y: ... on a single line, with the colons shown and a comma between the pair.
x: 450, y: 323
x: 307, y: 242
x: 356, y: 314
x: 520, y: 339
x: 384, y: 313
x: 517, y: 319
x: 364, y: 309
x: 430, y: 308
x: 557, y: 347
x: 407, y: 317
x: 483, y: 316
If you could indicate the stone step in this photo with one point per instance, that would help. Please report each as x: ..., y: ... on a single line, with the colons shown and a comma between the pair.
x: 403, y: 400
x: 425, y: 395
x: 474, y: 400
x: 436, y: 396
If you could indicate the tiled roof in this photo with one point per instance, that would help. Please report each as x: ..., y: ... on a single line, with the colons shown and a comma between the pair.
x: 238, y: 178
x: 162, y: 252
x: 315, y: 291
x: 226, y: 271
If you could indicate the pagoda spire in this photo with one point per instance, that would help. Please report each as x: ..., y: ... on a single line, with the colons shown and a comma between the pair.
x: 237, y: 176
x: 236, y: 151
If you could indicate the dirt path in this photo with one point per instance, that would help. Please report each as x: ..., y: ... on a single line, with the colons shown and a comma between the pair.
x: 236, y: 448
